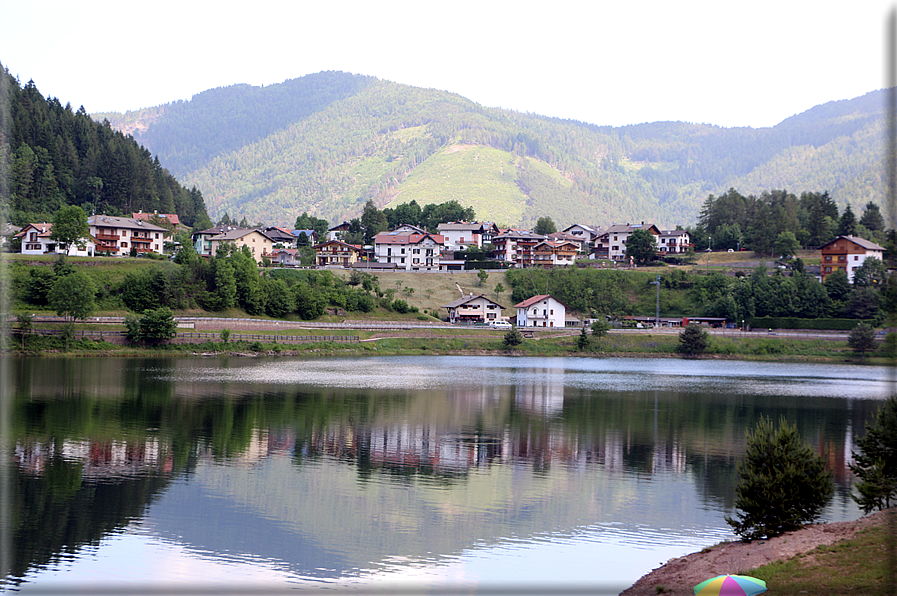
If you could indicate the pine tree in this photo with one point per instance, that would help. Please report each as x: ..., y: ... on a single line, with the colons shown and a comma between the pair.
x: 783, y: 484
x: 693, y: 340
x: 876, y: 462
x: 512, y: 338
x: 872, y: 219
x: 848, y: 224
x: 861, y: 339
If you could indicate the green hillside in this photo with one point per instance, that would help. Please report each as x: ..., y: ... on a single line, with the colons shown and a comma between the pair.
x: 327, y: 143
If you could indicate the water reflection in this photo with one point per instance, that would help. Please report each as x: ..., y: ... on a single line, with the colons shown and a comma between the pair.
x: 332, y: 470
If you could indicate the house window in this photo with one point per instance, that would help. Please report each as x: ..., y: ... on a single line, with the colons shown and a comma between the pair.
x: 828, y: 269
x: 124, y: 245
x: 124, y: 233
x: 157, y: 235
x: 856, y: 257
x: 828, y: 258
x: 841, y: 258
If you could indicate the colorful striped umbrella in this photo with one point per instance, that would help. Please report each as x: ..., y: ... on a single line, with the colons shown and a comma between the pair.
x: 730, y: 585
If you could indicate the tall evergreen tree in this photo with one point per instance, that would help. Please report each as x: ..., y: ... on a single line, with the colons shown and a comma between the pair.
x: 783, y: 484
x: 848, y: 224
x: 872, y: 219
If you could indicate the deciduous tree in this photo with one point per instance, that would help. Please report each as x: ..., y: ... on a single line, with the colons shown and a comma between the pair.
x: 641, y: 246
x: 544, y: 226
x: 786, y: 244
x: 70, y: 227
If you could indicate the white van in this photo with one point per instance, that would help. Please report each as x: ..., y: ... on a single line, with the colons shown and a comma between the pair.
x: 500, y: 325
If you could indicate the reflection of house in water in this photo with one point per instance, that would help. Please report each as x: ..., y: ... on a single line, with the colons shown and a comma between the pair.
x: 545, y: 394
x: 99, y: 459
x: 669, y: 456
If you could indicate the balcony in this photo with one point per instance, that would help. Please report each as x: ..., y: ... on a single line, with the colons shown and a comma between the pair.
x: 108, y: 237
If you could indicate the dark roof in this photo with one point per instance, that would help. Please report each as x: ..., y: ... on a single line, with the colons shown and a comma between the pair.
x: 468, y: 298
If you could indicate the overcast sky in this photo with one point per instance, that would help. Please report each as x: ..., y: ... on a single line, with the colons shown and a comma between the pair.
x: 731, y: 64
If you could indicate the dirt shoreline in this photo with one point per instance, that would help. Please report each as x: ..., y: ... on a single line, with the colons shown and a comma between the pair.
x: 679, y: 576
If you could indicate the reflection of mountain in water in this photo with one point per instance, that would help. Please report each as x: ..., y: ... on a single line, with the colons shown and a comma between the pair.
x: 325, y: 523
x: 334, y: 478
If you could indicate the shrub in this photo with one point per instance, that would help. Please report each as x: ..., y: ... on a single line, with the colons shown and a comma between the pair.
x: 583, y: 342
x: 400, y: 306
x: 512, y: 338
x: 876, y: 463
x: 693, y: 340
x: 783, y: 484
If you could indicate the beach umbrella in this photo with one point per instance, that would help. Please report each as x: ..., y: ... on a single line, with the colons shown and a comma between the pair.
x: 730, y: 585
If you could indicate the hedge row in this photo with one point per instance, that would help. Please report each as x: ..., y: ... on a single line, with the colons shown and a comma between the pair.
x: 796, y: 323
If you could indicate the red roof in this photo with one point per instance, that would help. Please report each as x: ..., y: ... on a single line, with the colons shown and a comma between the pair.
x: 532, y: 300
x: 171, y: 217
x: 43, y: 229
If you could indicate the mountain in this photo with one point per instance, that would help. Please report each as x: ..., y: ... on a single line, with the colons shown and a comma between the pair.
x: 328, y: 142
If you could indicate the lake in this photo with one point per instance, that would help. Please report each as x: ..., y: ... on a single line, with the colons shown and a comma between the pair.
x: 430, y: 474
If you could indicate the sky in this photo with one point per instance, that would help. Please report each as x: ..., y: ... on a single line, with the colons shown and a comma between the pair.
x: 607, y: 63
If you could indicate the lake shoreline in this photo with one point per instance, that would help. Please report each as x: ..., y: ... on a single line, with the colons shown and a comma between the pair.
x: 242, y: 352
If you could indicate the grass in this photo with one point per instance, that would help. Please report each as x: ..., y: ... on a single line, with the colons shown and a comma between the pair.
x: 433, y: 290
x: 451, y: 340
x: 480, y: 177
x: 863, y: 564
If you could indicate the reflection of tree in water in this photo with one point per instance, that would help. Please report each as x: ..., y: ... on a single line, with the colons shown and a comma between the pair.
x: 398, y: 436
x: 57, y: 513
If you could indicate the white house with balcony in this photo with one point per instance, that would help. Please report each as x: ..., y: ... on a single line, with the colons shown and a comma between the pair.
x: 409, y: 250
x: 122, y: 236
x: 541, y: 311
x: 473, y: 309
x: 461, y: 235
x: 612, y: 242
x: 36, y: 241
x: 673, y: 242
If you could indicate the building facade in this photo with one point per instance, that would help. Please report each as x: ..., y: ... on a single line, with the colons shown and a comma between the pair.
x: 122, y: 236
x: 541, y: 311
x: 612, y: 242
x: 336, y: 253
x: 36, y: 241
x: 847, y: 253
x: 258, y: 243
x: 473, y: 309
x: 411, y: 251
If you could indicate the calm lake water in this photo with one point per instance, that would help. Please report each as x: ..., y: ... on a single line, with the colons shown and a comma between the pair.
x: 437, y: 474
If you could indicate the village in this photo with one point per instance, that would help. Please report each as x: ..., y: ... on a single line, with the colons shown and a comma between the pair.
x: 457, y: 246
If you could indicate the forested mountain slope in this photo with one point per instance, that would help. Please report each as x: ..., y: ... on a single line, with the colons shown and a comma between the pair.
x: 59, y: 157
x: 327, y: 143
